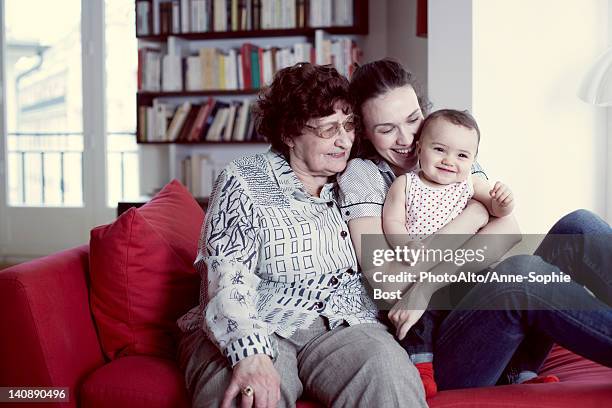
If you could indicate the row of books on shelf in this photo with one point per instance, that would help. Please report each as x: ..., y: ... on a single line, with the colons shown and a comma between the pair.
x: 211, y: 121
x: 198, y: 173
x: 247, y: 67
x: 192, y: 16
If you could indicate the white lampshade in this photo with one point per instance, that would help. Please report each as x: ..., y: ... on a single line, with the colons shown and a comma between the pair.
x: 596, y: 86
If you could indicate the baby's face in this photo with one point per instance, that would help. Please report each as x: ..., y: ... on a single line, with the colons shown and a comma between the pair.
x: 447, y: 151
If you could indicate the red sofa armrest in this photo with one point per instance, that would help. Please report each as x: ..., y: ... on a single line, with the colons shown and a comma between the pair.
x: 48, y: 338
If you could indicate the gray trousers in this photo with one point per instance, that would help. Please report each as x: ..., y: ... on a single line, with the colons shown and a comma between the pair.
x: 356, y: 366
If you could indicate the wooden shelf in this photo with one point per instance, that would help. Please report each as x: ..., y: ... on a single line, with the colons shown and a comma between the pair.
x: 286, y: 32
x: 233, y: 142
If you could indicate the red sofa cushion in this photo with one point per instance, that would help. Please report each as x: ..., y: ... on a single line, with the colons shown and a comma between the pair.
x: 133, y: 382
x: 142, y: 274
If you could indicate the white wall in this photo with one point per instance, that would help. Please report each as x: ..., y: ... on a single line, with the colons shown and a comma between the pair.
x: 528, y: 59
x: 374, y: 45
x: 450, y: 73
x: 527, y: 68
x: 402, y: 41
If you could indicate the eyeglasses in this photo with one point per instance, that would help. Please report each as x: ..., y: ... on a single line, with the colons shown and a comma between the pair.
x: 332, y: 129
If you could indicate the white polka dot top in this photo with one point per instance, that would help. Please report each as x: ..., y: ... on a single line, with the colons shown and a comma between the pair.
x: 430, y: 208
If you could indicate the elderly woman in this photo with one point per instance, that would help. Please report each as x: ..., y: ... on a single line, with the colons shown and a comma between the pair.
x: 283, y: 309
x: 477, y: 347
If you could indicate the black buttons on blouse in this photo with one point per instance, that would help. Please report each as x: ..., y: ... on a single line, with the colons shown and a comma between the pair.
x: 344, y: 234
x: 347, y: 213
x: 330, y: 204
x: 350, y: 271
x: 334, y: 281
x: 319, y: 305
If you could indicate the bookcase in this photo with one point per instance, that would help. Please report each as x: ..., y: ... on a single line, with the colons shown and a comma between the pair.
x: 201, y: 64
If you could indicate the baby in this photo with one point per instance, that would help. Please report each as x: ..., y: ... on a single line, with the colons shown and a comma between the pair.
x: 423, y: 201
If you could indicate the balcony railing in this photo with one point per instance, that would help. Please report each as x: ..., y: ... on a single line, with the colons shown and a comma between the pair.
x: 46, y: 168
x: 122, y: 165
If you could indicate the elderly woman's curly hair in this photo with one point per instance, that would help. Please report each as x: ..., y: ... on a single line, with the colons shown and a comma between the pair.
x: 297, y: 94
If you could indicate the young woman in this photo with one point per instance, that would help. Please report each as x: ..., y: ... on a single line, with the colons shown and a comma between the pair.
x: 476, y: 347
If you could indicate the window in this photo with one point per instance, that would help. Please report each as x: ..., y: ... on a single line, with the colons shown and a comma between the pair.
x: 121, y: 74
x: 44, y: 103
x: 44, y: 107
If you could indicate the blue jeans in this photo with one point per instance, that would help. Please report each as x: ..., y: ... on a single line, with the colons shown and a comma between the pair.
x: 474, y: 348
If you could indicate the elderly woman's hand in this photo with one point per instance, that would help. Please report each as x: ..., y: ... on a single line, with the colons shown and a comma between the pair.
x: 258, y: 372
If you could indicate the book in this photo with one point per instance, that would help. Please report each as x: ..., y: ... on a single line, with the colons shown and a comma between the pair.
x: 234, y: 15
x: 255, y: 69
x: 196, y: 175
x: 207, y: 59
x: 185, y: 131
x: 221, y: 57
x: 216, y: 121
x: 250, y: 129
x: 165, y: 18
x: 150, y: 124
x: 241, y: 121
x: 231, y: 119
x: 185, y: 17
x: 220, y: 15
x: 231, y: 70
x: 245, y: 53
x: 213, y: 106
x: 143, y: 18
x: 149, y: 69
x: 193, y: 74
x: 206, y: 171
x: 200, y: 121
x: 162, y: 112
x: 176, y: 17
x: 267, y: 71
x: 172, y: 73
x: 300, y: 14
x: 256, y: 14
x: 155, y: 7
x: 141, y: 136
x: 178, y: 120
x: 248, y: 17
x: 240, y: 71
x: 195, y: 20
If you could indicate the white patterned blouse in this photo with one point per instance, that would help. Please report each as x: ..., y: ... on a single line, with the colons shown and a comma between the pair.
x: 272, y: 258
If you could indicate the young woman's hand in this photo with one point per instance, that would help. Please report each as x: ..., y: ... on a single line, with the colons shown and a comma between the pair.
x: 409, y: 309
x: 478, y: 212
x: 258, y: 372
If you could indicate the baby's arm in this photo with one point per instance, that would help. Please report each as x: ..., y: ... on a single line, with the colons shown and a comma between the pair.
x: 394, y: 213
x: 499, y: 200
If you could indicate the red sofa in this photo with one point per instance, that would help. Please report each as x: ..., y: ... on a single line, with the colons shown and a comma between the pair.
x: 48, y: 337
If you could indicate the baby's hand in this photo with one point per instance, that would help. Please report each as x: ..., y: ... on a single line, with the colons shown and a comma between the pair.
x: 502, y: 194
x: 408, y: 310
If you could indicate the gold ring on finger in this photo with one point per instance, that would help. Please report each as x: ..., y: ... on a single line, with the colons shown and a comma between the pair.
x: 247, y: 391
